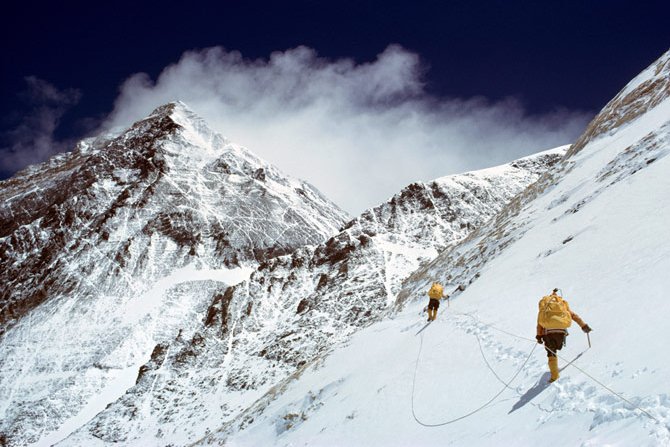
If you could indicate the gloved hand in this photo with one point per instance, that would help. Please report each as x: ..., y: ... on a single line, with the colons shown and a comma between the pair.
x: 586, y: 328
x: 538, y: 338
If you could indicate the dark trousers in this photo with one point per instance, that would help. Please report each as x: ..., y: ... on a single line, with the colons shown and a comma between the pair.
x: 553, y: 341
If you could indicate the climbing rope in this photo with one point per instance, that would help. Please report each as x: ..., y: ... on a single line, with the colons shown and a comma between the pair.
x: 507, y: 384
x: 451, y: 421
x: 571, y: 363
x: 488, y: 365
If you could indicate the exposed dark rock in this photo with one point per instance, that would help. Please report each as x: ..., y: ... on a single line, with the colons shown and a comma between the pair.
x: 218, y: 310
x: 259, y: 174
x: 157, y: 358
x: 303, y: 306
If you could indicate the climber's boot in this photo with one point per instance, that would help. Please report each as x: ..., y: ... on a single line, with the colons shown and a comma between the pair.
x: 553, y: 367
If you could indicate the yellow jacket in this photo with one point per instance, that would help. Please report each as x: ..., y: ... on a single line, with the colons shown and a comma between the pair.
x: 543, y: 331
x: 436, y: 292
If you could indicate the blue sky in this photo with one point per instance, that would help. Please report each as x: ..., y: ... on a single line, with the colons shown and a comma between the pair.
x: 69, y: 72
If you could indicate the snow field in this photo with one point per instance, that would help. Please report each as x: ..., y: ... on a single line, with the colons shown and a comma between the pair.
x: 601, y: 235
x: 362, y: 394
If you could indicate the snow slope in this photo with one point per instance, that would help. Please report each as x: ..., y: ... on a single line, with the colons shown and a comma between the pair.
x: 597, y: 227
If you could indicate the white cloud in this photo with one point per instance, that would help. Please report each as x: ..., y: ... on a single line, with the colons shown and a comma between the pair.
x: 358, y: 132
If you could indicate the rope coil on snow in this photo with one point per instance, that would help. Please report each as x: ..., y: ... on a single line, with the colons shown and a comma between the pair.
x: 571, y: 363
x: 507, y: 384
x: 451, y: 421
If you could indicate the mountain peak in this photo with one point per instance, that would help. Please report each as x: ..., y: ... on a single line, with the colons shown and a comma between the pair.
x: 169, y: 177
x: 177, y: 119
x: 180, y: 113
x: 169, y: 108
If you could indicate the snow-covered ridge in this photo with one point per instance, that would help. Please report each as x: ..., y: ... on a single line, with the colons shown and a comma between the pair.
x: 295, y: 308
x: 643, y: 93
x: 447, y: 209
x: 93, y: 241
x: 642, y: 145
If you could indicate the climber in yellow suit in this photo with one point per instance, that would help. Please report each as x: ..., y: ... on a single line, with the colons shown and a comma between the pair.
x: 436, y: 293
x: 553, y: 319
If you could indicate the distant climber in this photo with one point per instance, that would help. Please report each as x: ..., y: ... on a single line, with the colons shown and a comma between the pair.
x: 436, y: 293
x: 553, y: 319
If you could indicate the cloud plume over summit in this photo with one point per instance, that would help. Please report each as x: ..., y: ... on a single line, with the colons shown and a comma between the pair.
x: 357, y: 131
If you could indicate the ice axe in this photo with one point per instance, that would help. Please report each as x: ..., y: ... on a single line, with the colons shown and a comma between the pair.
x: 588, y: 337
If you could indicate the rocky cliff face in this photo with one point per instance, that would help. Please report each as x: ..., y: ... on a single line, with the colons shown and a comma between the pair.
x: 294, y: 309
x: 111, y: 249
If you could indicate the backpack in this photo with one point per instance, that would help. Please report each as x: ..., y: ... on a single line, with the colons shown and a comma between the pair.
x: 435, y: 291
x: 554, y: 313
